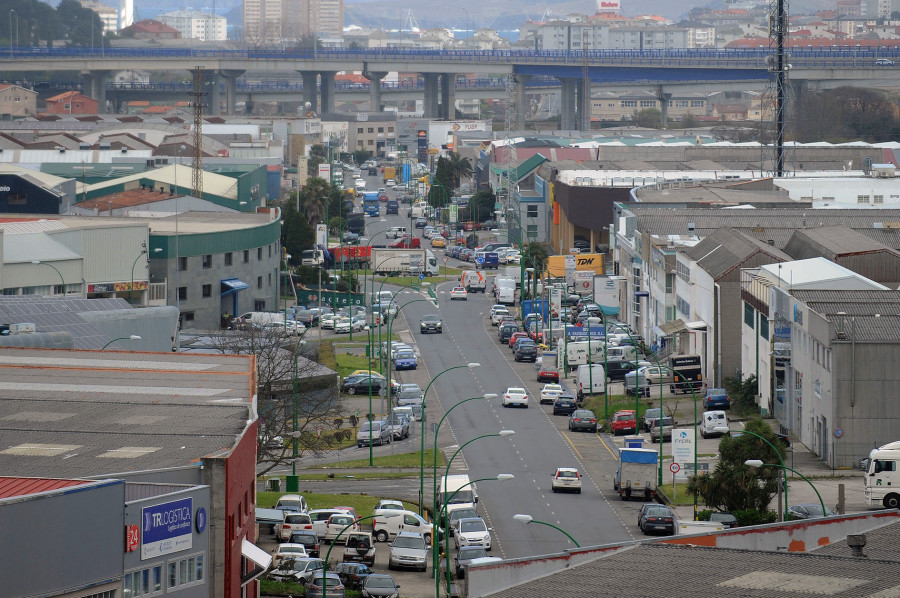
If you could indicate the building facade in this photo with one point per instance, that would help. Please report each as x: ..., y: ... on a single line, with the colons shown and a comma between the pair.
x: 194, y: 24
x: 17, y: 102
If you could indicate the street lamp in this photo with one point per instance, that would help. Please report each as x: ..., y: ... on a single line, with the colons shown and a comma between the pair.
x: 501, y: 477
x: 295, y: 398
x: 758, y: 463
x: 784, y: 484
x: 333, y: 544
x: 133, y: 337
x: 12, y: 11
x: 434, y: 508
x: 143, y: 251
x: 38, y: 262
x: 526, y: 519
x: 472, y: 365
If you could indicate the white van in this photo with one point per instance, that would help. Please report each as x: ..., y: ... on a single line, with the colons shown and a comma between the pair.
x: 713, y: 423
x: 261, y: 318
x: 589, y: 379
x: 390, y: 523
x: 622, y: 353
x: 396, y: 232
x: 457, y: 490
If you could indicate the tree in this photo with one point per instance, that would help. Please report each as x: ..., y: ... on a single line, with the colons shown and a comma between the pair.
x: 296, y: 233
x: 536, y: 256
x: 313, y: 200
x: 689, y: 121
x: 743, y: 393
x: 650, y: 118
x: 438, y: 195
x: 78, y: 23
x: 317, y: 155
x: 318, y: 402
x: 460, y: 168
x: 733, y: 486
x: 360, y: 156
x: 481, y: 205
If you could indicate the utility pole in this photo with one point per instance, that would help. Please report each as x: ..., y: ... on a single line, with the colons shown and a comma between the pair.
x: 197, y: 162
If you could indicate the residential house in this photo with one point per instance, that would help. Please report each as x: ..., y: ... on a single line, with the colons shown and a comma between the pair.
x: 71, y: 102
x: 17, y: 101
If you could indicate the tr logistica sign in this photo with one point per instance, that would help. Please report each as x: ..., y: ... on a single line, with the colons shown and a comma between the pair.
x: 166, y: 528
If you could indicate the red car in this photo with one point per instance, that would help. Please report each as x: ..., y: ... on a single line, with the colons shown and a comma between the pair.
x: 623, y: 421
x: 406, y: 243
x: 383, y: 197
x: 547, y: 373
x: 516, y: 336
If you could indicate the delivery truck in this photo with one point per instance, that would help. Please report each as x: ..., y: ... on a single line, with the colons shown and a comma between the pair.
x: 474, y: 281
x: 393, y: 262
x: 882, y: 480
x: 636, y: 474
x: 576, y: 353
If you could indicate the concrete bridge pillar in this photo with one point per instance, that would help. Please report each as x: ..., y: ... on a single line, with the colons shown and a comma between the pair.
x: 230, y: 89
x: 327, y: 92
x: 521, y: 104
x: 567, y: 103
x: 583, y: 104
x: 310, y: 89
x: 448, y: 96
x: 375, y: 102
x: 664, y: 99
x: 431, y: 95
x: 94, y: 84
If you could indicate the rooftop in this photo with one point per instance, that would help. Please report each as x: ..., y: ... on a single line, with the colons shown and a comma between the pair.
x: 832, y: 242
x: 727, y: 249
x: 817, y: 272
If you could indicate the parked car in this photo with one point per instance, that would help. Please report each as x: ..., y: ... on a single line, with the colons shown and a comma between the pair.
x: 337, y: 524
x: 471, y: 555
x: 497, y: 313
x: 405, y: 360
x: 379, y: 585
x: 473, y: 532
x: 292, y: 502
x: 409, y: 394
x: 360, y: 548
x: 457, y: 514
x: 662, y: 428
x: 583, y: 419
x: 398, y: 425
x: 623, y: 421
x: 293, y: 521
x: 308, y: 317
x: 807, y: 511
x: 298, y: 570
x: 309, y: 539
x: 564, y: 405
x: 286, y: 551
x: 726, y: 519
x: 333, y: 586
x: 353, y: 575
x: 387, y: 504
x: 549, y: 393
x: 716, y: 398
x: 566, y: 479
x: 654, y: 518
x: 377, y: 431
x: 408, y: 550
x: 547, y: 372
x: 526, y: 352
x: 650, y: 415
x: 506, y: 330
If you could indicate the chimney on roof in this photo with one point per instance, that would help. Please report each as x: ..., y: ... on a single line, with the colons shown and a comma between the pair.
x: 857, y: 542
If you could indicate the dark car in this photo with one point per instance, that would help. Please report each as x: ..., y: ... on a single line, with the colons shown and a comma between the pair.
x: 360, y: 384
x: 309, y: 539
x: 431, y: 323
x: 393, y: 206
x: 379, y: 586
x: 655, y: 518
x: 726, y: 519
x: 616, y: 369
x: 526, y: 351
x: 353, y: 575
x: 421, y: 222
x: 807, y: 511
x: 373, y: 171
x: 564, y: 405
x: 716, y: 398
x: 583, y: 419
x: 466, y: 556
x: 505, y: 331
x: 308, y: 317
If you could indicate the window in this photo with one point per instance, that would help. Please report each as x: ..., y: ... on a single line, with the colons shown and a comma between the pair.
x: 648, y: 103
x: 390, y: 129
x: 246, y: 256
x: 270, y: 251
x: 259, y: 282
x: 764, y: 328
x: 629, y: 103
x: 145, y: 582
x: 188, y: 316
x: 259, y: 254
x: 862, y: 199
x: 207, y: 290
x: 696, y: 103
x: 881, y: 465
x: 182, y: 293
x: 207, y: 262
x: 381, y: 129
x: 878, y: 198
x: 259, y: 305
x: 370, y: 130
x: 269, y: 279
x: 532, y: 211
x: 748, y: 315
x: 531, y: 230
x: 359, y: 130
x: 228, y: 259
x: 182, y: 264
x: 186, y: 571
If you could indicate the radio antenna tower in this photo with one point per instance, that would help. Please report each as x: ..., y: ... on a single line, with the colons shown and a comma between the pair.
x: 777, y: 90
x: 197, y: 106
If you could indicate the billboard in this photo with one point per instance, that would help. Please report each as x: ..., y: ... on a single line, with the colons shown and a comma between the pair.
x: 609, y: 6
x: 322, y: 235
x: 584, y: 282
x: 607, y: 290
x: 422, y: 146
x: 166, y: 528
x: 683, y: 452
x: 555, y: 302
x: 325, y: 171
x: 583, y: 261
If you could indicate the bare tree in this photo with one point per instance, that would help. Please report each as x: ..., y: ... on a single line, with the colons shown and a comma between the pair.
x: 317, y: 405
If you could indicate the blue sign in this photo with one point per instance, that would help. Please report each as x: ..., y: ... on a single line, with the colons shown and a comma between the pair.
x: 581, y: 333
x: 201, y: 520
x: 166, y: 528
x: 421, y: 277
x: 480, y: 260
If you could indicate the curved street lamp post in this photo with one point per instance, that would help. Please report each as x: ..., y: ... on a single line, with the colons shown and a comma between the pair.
x: 526, y: 519
x: 758, y: 463
x: 133, y: 337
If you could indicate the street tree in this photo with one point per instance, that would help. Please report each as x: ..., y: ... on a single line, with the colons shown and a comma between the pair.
x: 732, y: 485
x: 536, y: 256
x: 318, y: 154
x: 438, y: 195
x: 313, y: 197
x: 296, y: 233
x: 460, y: 168
x: 319, y: 410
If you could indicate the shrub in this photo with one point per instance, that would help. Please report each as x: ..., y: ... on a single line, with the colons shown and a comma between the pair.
x: 754, y: 517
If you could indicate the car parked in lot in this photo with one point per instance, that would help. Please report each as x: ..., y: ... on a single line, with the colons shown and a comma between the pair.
x: 566, y: 479
x: 352, y: 574
x: 526, y: 351
x: 515, y: 396
x: 405, y: 360
x: 387, y: 504
x: 516, y: 336
x: 431, y: 323
x: 623, y: 421
x: 662, y: 428
x: 309, y: 539
x: 807, y: 511
x: 378, y: 585
x: 320, y: 585
x: 375, y: 432
x: 459, y: 293
x: 649, y: 415
x: 408, y: 550
x: 292, y: 502
x: 583, y: 419
x: 716, y: 398
x: 293, y: 521
x: 471, y: 555
x: 398, y: 425
x: 360, y: 548
x: 655, y: 518
x: 360, y: 384
x: 473, y: 532
x: 298, y: 570
x: 726, y: 519
x: 549, y: 393
x: 564, y: 405
x: 547, y: 372
x: 288, y: 551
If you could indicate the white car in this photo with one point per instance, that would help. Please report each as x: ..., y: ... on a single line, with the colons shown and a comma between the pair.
x: 497, y: 315
x: 513, y: 257
x: 327, y: 321
x: 515, y: 396
x: 550, y: 392
x: 390, y: 183
x: 473, y: 531
x: 343, y: 325
x: 288, y: 551
x: 566, y: 479
x: 459, y: 293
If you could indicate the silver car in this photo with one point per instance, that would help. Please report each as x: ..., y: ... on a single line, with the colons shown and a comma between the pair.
x: 409, y: 550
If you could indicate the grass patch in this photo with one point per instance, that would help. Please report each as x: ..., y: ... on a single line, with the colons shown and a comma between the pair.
x: 363, y: 503
x: 401, y: 460
x: 344, y: 364
x: 324, y: 477
x: 682, y: 498
x: 326, y: 355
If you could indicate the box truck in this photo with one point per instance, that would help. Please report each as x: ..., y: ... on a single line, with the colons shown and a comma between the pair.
x: 636, y: 474
x: 392, y: 262
x: 474, y: 281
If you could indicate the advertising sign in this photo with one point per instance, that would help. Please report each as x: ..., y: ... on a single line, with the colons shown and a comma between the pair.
x: 132, y: 538
x: 683, y: 451
x: 560, y: 265
x: 555, y: 302
x: 606, y: 290
x: 454, y: 213
x: 584, y: 282
x: 422, y: 145
x: 322, y: 235
x: 166, y: 528
x: 581, y: 333
x: 325, y: 171
x: 311, y: 298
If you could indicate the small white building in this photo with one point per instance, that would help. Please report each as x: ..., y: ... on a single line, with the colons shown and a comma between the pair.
x: 194, y: 24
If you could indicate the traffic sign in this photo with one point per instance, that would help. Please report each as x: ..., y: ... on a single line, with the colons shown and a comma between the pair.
x: 479, y: 260
x: 674, y: 468
x: 838, y: 432
x: 421, y: 277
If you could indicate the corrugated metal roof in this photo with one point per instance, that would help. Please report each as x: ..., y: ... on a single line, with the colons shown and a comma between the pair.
x: 27, y: 247
x: 727, y: 248
x: 57, y: 314
x: 11, y: 487
x: 817, y: 271
x: 179, y: 175
x: 832, y: 242
x: 45, y: 179
x: 15, y: 226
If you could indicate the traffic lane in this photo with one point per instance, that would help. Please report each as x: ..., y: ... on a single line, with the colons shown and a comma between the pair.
x: 533, y: 453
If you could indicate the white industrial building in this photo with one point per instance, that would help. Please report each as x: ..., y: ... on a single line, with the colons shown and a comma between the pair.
x: 194, y: 24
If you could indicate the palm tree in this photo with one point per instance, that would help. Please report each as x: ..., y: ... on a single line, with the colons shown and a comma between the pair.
x: 312, y: 200
x: 535, y: 256
x: 460, y: 167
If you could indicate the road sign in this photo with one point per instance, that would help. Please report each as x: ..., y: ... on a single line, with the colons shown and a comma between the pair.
x: 433, y: 150
x: 421, y: 277
x: 479, y: 260
x: 683, y: 450
x: 674, y: 468
x: 838, y: 432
